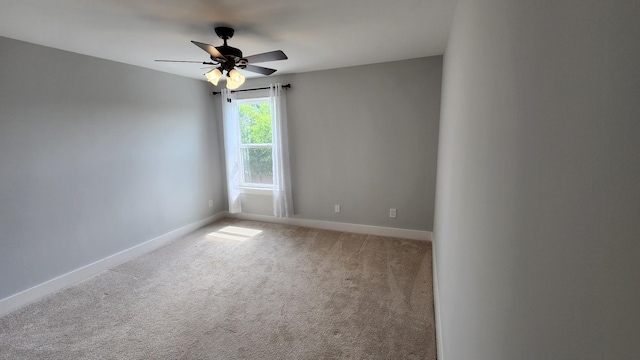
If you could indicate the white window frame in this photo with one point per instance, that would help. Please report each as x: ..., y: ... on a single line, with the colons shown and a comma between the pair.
x: 246, y: 187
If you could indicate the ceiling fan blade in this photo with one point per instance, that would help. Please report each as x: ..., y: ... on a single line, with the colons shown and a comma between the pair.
x: 268, y: 56
x: 187, y: 61
x: 259, y: 69
x: 211, y: 50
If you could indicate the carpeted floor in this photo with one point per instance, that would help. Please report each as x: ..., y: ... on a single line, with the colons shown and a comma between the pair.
x: 284, y: 293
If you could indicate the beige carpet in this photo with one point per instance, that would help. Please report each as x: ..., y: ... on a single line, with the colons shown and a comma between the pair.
x: 285, y: 293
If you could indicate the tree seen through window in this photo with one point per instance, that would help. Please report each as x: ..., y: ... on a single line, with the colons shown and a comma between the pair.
x: 256, y: 142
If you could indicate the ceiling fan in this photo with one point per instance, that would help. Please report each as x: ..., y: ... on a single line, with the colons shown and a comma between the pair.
x: 227, y: 58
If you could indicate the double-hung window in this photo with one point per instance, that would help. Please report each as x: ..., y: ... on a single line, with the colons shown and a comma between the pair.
x: 257, y: 149
x: 256, y: 143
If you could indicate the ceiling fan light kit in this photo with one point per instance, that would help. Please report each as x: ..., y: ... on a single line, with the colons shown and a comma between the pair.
x: 228, y: 58
x: 214, y: 76
x: 234, y: 79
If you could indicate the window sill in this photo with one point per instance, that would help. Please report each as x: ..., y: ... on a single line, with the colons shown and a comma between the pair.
x: 256, y: 191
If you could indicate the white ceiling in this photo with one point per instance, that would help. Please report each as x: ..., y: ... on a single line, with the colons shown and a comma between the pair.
x: 315, y: 34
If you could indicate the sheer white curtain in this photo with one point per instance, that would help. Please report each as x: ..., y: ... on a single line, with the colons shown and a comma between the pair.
x: 282, y: 203
x: 232, y: 148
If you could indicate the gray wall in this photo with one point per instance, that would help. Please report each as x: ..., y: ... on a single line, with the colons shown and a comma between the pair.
x: 537, y: 227
x: 96, y: 157
x: 366, y: 138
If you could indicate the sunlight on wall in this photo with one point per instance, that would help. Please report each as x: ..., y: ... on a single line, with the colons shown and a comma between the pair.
x: 234, y: 233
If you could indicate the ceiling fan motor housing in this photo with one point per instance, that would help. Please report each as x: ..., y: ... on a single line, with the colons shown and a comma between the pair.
x: 232, y: 54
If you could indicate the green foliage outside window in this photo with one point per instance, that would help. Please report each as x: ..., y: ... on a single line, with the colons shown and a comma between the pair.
x: 255, y: 123
x: 255, y: 128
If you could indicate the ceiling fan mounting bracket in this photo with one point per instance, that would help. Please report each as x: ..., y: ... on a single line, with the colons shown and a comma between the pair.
x: 224, y: 33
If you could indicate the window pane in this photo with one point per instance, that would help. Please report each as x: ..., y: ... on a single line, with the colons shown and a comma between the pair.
x: 258, y: 166
x: 255, y: 122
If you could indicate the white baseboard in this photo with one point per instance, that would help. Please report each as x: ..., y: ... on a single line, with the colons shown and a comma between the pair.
x: 25, y: 297
x: 338, y: 226
x: 436, y: 305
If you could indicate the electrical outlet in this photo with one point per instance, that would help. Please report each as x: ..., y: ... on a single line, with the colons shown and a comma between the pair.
x: 392, y: 213
x: 337, y: 209
x: 210, y: 203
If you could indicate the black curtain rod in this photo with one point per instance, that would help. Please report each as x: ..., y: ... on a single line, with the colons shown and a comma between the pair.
x: 288, y: 86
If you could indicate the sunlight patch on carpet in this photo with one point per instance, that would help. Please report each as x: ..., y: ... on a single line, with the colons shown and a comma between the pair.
x: 234, y: 233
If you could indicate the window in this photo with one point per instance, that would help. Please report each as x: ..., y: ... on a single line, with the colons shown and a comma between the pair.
x: 256, y: 148
x: 256, y: 143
